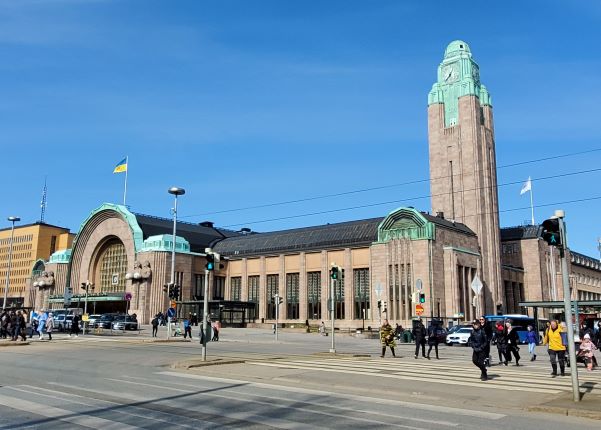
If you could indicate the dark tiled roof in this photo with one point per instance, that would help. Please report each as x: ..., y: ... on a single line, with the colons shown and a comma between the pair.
x: 339, y: 235
x: 519, y: 232
x: 199, y: 237
x: 352, y: 233
x: 443, y: 222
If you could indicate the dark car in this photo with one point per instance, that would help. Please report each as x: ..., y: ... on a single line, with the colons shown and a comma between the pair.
x: 125, y: 322
x: 106, y: 321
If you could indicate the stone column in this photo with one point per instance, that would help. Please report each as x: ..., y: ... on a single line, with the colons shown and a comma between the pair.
x: 302, y: 288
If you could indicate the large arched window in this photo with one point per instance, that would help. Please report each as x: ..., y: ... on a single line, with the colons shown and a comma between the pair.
x: 111, y: 267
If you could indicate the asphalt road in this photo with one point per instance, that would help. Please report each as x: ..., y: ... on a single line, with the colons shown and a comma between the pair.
x: 121, y: 383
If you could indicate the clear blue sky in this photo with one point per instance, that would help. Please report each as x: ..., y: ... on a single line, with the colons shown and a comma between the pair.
x: 252, y: 102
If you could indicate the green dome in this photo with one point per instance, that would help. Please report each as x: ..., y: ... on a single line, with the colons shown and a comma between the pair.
x: 456, y: 48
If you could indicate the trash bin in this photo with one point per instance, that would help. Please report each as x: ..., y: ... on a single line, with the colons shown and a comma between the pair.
x: 406, y: 337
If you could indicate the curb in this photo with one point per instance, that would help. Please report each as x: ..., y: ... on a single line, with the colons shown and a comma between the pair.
x: 214, y: 362
x: 581, y: 413
x: 16, y: 343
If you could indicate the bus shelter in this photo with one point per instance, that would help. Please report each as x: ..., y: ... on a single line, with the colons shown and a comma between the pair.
x: 579, y: 308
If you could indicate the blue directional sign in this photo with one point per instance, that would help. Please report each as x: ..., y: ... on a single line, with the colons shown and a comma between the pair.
x: 170, y: 312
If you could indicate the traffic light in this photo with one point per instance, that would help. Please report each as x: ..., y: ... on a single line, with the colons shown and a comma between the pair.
x: 210, y: 262
x: 422, y: 298
x: 171, y: 290
x: 334, y: 273
x: 272, y: 300
x: 176, y: 292
x: 280, y: 300
x: 379, y: 304
x: 549, y: 232
x: 165, y: 288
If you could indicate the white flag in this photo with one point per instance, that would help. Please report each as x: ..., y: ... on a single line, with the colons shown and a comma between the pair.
x: 527, y: 186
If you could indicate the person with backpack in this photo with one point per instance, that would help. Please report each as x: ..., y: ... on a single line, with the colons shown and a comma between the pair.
x: 432, y: 340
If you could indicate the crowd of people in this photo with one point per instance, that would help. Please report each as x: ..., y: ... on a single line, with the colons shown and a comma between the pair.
x: 185, y: 323
x: 505, y: 337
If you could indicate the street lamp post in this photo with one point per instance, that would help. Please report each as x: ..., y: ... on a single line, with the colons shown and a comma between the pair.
x: 12, y: 219
x: 176, y: 191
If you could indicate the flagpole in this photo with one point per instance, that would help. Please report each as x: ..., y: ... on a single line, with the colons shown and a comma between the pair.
x: 531, y: 202
x: 126, y: 170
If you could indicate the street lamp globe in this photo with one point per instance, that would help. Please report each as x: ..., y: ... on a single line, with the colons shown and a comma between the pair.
x: 176, y: 191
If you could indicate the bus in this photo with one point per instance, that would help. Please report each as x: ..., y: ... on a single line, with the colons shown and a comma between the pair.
x: 520, y: 323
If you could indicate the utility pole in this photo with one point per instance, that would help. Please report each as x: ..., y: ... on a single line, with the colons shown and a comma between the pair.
x: 277, y: 313
x: 335, y: 274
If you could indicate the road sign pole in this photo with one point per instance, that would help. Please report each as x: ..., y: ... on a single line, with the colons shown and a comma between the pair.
x: 568, y: 307
x: 205, y: 311
x: 333, y: 312
x: 277, y: 311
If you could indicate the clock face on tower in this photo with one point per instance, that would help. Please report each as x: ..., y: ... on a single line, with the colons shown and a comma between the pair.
x: 450, y: 73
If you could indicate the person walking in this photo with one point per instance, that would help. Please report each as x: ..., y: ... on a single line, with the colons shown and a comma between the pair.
x: 556, y: 348
x: 532, y: 338
x: 49, y: 325
x: 419, y: 334
x: 155, y: 325
x: 478, y: 342
x: 74, y: 326
x: 488, y: 332
x: 387, y: 338
x: 322, y: 329
x: 21, y: 325
x: 187, y: 328
x: 587, y: 352
x: 432, y: 340
x: 398, y: 332
x: 500, y: 338
x: 513, y: 340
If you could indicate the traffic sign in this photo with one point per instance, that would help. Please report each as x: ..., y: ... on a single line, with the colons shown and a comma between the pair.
x: 419, y: 309
x: 419, y: 284
x: 85, y: 317
x: 477, y: 285
x: 171, y: 312
x: 128, y: 296
x: 68, y: 294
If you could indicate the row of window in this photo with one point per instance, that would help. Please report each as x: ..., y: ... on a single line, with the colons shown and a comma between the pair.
x: 18, y: 260
x: 24, y: 247
x: 17, y: 239
x: 16, y: 273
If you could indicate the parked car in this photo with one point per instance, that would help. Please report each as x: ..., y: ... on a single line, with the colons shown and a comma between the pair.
x: 460, y: 337
x: 93, y: 320
x: 59, y: 322
x: 454, y: 328
x: 125, y: 322
x: 106, y: 321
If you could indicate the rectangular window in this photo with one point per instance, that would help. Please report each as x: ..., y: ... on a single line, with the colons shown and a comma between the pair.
x: 253, y: 288
x: 235, y: 288
x: 198, y: 293
x: 362, y: 294
x: 272, y: 289
x: 218, y: 287
x: 52, y: 244
x: 314, y: 295
x: 292, y: 292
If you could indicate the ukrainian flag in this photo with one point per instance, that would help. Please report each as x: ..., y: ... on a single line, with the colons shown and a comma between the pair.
x: 121, y: 166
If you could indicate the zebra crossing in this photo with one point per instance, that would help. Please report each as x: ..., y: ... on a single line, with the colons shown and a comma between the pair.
x: 533, y: 377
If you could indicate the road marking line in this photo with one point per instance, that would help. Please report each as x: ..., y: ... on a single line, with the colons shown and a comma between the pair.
x: 310, y: 402
x: 362, y: 398
x: 60, y: 414
x: 490, y: 384
x: 271, y: 404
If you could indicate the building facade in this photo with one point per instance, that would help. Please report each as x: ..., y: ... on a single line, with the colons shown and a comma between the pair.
x: 387, y: 261
x: 32, y: 243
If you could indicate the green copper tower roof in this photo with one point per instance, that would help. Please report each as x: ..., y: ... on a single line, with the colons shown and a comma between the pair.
x: 458, y: 76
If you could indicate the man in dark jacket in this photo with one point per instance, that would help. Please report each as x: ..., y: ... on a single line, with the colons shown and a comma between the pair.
x: 488, y: 332
x: 513, y: 340
x: 479, y: 341
x: 419, y: 334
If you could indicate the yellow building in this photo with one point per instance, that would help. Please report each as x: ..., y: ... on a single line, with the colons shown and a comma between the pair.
x: 32, y: 242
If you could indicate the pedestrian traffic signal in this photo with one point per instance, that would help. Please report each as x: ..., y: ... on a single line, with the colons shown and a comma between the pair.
x: 334, y: 272
x: 280, y: 300
x: 175, y: 292
x: 379, y: 304
x: 549, y: 232
x: 210, y: 262
x: 422, y: 298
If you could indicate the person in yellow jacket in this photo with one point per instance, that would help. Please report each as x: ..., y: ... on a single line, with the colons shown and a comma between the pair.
x: 557, y: 349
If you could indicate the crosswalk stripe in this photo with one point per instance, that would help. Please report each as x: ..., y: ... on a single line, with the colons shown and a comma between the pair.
x: 357, y: 398
x: 66, y: 415
x: 509, y: 379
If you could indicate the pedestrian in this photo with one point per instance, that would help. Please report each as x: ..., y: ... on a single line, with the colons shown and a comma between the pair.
x: 155, y: 325
x: 532, y: 338
x: 557, y: 349
x: 387, y: 338
x: 322, y: 329
x: 419, y: 334
x: 216, y: 328
x: 500, y: 339
x: 21, y: 325
x: 398, y: 331
x: 42, y: 324
x: 4, y: 325
x: 488, y: 331
x: 187, y: 328
x: 34, y: 325
x: 478, y: 342
x: 432, y: 340
x: 598, y: 335
x: 513, y: 340
x: 587, y: 352
x: 74, y: 326
x: 49, y: 325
